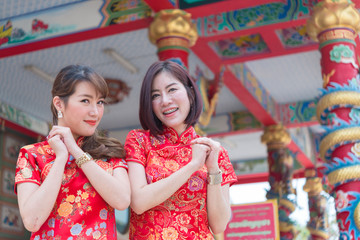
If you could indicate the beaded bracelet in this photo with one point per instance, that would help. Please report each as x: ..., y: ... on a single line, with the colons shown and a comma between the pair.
x: 83, y: 159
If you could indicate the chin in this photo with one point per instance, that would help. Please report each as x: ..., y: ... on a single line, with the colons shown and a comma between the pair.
x: 86, y: 133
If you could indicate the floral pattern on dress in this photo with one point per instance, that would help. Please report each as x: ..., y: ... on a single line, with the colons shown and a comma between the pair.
x: 79, y: 211
x: 183, y: 215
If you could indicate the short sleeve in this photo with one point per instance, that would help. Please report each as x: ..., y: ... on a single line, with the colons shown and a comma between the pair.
x: 229, y: 176
x: 26, y: 168
x: 118, y: 162
x: 135, y: 147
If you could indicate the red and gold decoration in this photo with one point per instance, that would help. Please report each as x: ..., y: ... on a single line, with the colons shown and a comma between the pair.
x: 118, y: 90
x: 209, y: 90
x: 173, y: 33
x: 318, y: 224
x: 280, y: 177
x: 335, y: 25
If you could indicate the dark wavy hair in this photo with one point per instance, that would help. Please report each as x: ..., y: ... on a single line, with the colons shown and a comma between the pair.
x: 64, y: 86
x: 148, y: 119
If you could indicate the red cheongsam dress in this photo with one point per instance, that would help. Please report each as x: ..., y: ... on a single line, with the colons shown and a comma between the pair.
x: 183, y: 215
x: 79, y: 211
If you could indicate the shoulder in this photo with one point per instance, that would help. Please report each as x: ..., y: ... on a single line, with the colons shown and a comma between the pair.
x: 38, y: 149
x: 138, y: 134
x: 139, y: 131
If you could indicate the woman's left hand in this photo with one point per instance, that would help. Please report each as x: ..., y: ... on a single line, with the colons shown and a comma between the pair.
x: 67, y: 137
x: 213, y: 156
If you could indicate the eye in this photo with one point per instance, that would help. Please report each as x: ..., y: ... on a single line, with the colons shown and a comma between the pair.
x: 85, y: 101
x: 154, y: 96
x: 101, y: 102
x: 172, y: 89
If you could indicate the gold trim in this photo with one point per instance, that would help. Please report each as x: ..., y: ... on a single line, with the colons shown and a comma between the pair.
x: 337, y: 34
x: 337, y: 98
x: 357, y: 216
x: 343, y: 174
x: 174, y: 41
x: 339, y: 136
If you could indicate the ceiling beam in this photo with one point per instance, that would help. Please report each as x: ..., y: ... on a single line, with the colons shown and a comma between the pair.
x: 159, y: 5
x: 264, y: 176
x: 248, y: 99
x: 75, y: 37
x: 267, y: 32
x: 267, y: 114
x: 223, y: 6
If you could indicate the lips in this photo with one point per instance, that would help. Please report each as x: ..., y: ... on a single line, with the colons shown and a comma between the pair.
x: 169, y: 111
x: 91, y: 122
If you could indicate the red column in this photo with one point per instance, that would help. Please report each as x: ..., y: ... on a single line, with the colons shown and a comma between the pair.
x: 318, y: 223
x: 281, y: 167
x: 335, y: 25
x: 173, y: 33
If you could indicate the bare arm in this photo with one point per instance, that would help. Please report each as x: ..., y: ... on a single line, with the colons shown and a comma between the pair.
x: 30, y: 194
x: 218, y: 207
x: 218, y: 203
x: 159, y: 191
x: 114, y: 189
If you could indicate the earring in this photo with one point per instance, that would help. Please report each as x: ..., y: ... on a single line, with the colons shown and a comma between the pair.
x: 60, y: 115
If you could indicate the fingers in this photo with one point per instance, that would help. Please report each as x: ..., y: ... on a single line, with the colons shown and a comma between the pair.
x: 213, y: 145
x: 57, y: 130
x: 199, y: 146
x: 53, y: 138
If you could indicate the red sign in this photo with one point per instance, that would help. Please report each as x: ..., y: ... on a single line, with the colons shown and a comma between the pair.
x: 254, y: 221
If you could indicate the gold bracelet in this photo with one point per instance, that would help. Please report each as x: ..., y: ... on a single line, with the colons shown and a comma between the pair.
x: 83, y: 159
x: 214, y: 179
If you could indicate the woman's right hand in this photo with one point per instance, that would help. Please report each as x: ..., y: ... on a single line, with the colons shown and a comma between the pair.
x: 59, y: 147
x: 199, y: 154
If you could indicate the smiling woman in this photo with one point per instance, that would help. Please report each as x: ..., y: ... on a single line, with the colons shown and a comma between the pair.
x: 79, y: 172
x: 185, y: 177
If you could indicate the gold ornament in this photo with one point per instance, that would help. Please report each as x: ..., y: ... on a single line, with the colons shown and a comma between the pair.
x: 173, y: 23
x: 276, y: 136
x: 313, y: 186
x: 336, y: 138
x: 357, y: 216
x: 331, y: 14
x: 337, y: 98
x: 344, y: 174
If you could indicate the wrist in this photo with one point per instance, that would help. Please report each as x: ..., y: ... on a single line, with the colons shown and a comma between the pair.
x: 83, y: 159
x: 76, y: 152
x: 214, y: 178
x: 213, y: 170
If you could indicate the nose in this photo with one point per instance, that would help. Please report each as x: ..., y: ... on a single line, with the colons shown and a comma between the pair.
x: 165, y: 99
x: 94, y: 111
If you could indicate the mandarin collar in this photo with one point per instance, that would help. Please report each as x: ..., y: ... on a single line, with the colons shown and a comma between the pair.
x: 80, y: 141
x: 185, y: 138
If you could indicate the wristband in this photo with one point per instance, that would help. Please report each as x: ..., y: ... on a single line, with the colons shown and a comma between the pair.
x: 83, y: 159
x: 214, y: 179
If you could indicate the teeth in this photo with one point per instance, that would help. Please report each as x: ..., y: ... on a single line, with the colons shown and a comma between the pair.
x: 170, y: 111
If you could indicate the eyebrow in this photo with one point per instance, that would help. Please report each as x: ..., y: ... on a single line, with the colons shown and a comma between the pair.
x: 85, y: 95
x: 171, y: 84
x: 90, y: 96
